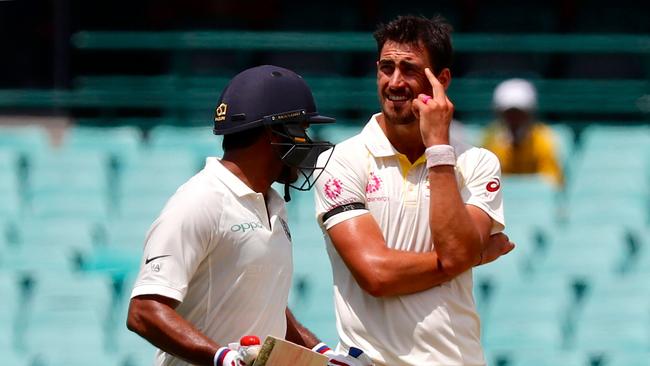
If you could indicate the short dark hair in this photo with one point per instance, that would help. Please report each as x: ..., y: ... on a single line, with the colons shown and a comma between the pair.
x: 434, y: 34
x: 242, y: 139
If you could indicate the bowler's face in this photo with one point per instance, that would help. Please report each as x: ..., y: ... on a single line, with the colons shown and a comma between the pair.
x: 400, y: 78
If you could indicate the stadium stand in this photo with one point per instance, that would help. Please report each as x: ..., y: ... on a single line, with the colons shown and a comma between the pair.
x: 74, y: 216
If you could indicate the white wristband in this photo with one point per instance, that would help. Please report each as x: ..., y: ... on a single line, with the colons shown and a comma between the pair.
x: 440, y: 155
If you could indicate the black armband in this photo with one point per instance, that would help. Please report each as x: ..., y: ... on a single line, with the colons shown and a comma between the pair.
x: 343, y: 208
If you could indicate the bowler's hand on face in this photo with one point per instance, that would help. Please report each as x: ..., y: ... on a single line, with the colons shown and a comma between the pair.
x: 434, y: 112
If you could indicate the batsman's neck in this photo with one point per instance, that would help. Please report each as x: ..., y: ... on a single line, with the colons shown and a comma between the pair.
x: 252, y: 168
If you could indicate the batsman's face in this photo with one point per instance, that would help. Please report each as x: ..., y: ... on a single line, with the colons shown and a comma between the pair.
x: 400, y: 78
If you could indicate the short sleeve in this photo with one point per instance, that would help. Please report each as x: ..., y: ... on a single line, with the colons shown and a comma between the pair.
x: 340, y: 190
x: 482, y: 187
x: 177, y: 242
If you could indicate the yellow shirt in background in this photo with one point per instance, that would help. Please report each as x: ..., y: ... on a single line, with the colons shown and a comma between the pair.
x: 535, y: 154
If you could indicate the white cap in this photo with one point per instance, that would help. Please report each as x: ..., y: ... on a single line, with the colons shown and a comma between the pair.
x: 515, y: 93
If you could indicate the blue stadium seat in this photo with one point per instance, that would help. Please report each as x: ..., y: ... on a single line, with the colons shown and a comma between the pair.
x: 549, y: 357
x: 623, y: 357
x: 28, y: 260
x: 521, y: 305
x: 616, y: 316
x: 26, y: 140
x: 601, y: 137
x: 56, y: 233
x: 133, y: 349
x: 147, y: 182
x: 11, y: 301
x: 199, y: 141
x: 337, y: 132
x: 78, y: 357
x: 79, y: 304
x: 587, y: 251
x: 11, y: 357
x: 565, y: 142
x: 70, y: 206
x: 119, y: 142
x: 68, y: 172
x: 608, y: 210
x: 523, y: 192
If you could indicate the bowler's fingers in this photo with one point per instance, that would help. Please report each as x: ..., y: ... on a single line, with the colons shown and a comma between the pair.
x: 439, y: 93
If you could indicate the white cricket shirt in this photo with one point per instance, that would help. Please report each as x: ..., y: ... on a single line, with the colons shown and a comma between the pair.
x: 215, y: 249
x: 438, y: 326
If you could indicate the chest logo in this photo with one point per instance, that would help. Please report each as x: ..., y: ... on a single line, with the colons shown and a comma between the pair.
x: 246, y: 226
x: 493, y: 185
x: 374, y: 183
x: 333, y: 188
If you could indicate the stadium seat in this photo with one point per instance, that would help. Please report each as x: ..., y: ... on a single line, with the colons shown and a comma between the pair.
x: 529, y: 199
x: 565, y: 142
x: 11, y: 295
x: 10, y: 206
x: 622, y: 357
x: 585, y: 251
x: 602, y: 137
x: 516, y: 357
x: 537, y: 320
x: 133, y: 349
x: 127, y: 232
x: 69, y: 177
x: 148, y: 181
x: 199, y: 141
x: 56, y: 233
x: 608, y: 210
x: 616, y: 315
x: 28, y: 260
x: 70, y: 206
x: 78, y: 357
x: 11, y: 357
x: 337, y: 132
x: 79, y: 304
x: 25, y: 140
x: 118, y: 142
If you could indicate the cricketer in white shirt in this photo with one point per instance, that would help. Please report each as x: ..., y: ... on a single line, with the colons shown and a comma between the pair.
x: 214, y: 249
x: 438, y: 326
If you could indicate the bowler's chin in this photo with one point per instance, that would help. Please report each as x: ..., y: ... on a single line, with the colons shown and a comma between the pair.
x: 398, y: 117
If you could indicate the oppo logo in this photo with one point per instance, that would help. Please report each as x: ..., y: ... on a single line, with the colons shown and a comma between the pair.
x: 243, y: 227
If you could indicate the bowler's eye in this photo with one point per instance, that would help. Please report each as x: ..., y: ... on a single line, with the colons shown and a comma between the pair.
x: 387, y: 68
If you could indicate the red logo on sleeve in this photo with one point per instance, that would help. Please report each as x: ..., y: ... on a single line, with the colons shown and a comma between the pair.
x: 333, y: 188
x: 493, y: 185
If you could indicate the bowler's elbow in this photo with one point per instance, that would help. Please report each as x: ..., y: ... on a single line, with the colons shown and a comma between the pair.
x: 376, y: 280
x: 463, y: 259
x: 136, y: 319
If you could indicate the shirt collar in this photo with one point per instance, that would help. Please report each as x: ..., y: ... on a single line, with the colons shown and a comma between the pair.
x: 235, y: 184
x: 375, y: 139
x: 230, y: 180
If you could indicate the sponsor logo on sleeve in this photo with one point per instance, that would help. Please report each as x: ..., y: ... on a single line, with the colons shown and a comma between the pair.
x: 333, y: 188
x: 493, y: 185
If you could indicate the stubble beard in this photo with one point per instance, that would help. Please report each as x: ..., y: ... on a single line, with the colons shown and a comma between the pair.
x: 402, y: 117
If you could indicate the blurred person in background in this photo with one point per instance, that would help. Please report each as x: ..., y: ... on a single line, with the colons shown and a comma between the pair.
x: 523, y: 144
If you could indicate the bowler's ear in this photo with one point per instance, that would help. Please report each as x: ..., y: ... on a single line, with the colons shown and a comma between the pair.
x: 444, y: 77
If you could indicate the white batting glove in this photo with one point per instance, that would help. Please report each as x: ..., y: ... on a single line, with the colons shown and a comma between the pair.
x: 236, y: 355
x: 355, y: 356
x: 228, y: 357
